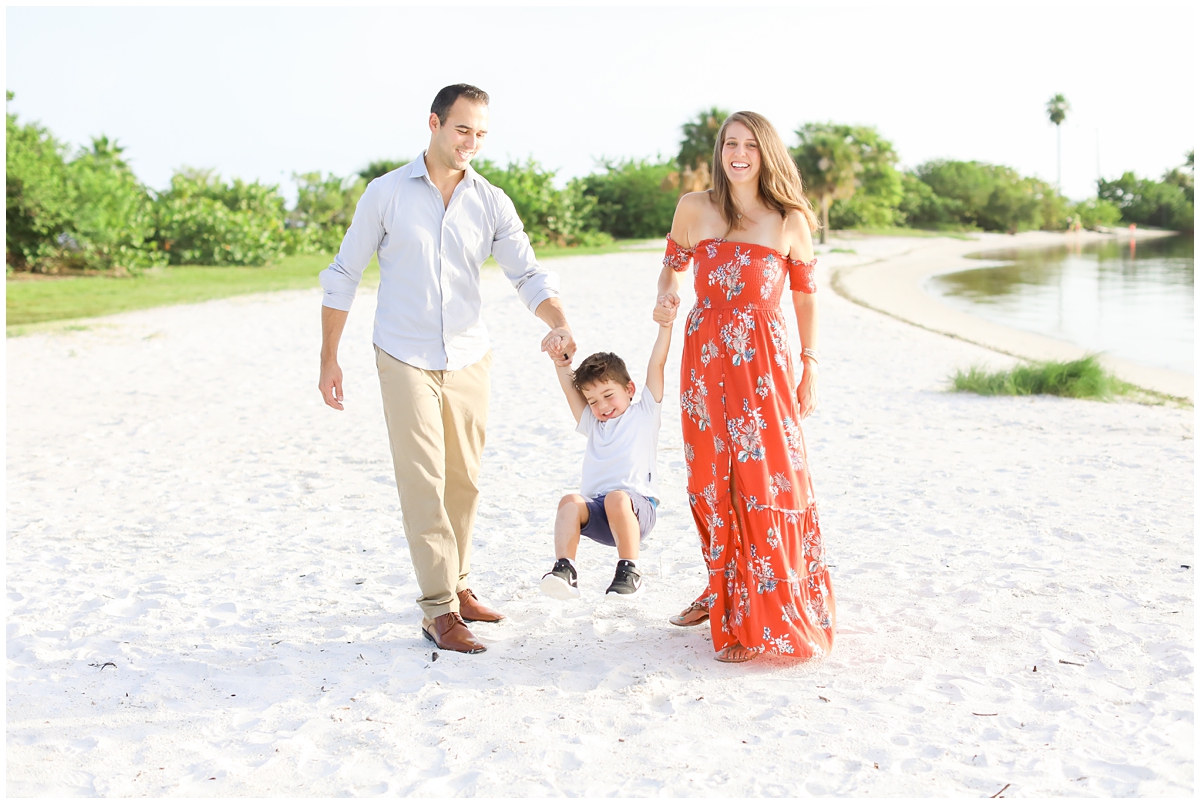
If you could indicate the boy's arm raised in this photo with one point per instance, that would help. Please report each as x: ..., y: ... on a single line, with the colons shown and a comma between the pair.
x: 655, y: 382
x: 566, y: 380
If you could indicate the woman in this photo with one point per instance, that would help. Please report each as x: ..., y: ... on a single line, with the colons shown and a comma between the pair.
x: 748, y: 483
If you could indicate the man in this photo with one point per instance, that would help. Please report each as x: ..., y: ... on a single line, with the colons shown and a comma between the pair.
x: 433, y: 223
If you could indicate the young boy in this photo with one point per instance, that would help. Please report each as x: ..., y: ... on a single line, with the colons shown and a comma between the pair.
x: 618, y: 490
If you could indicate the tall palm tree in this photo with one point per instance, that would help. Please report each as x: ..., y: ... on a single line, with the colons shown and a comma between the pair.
x: 700, y: 138
x: 1057, y: 108
x: 829, y: 160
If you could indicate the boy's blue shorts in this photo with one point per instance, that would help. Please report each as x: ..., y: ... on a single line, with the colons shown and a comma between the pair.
x: 597, y: 528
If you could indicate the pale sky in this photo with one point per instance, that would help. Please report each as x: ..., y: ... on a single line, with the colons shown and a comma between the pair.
x: 265, y: 92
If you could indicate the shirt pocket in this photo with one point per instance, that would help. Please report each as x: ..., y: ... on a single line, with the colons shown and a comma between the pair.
x: 471, y: 232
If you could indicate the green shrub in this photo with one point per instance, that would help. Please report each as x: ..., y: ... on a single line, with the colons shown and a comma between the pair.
x: 1097, y: 212
x: 88, y: 214
x: 1084, y: 378
x: 875, y: 203
x: 633, y: 198
x: 379, y: 167
x: 323, y: 212
x: 865, y: 210
x: 38, y: 197
x: 203, y: 221
x: 1014, y: 204
x: 1054, y: 209
x: 1169, y: 204
x: 976, y: 195
x: 551, y: 216
x: 922, y: 207
x: 112, y: 223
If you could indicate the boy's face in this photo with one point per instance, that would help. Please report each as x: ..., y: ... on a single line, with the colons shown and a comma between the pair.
x: 607, y: 399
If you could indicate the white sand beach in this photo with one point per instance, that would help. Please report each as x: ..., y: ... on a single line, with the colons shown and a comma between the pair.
x: 209, y: 592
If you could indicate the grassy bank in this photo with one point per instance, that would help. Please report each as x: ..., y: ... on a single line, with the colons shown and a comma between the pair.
x: 35, y: 301
x: 30, y: 302
x: 1080, y: 379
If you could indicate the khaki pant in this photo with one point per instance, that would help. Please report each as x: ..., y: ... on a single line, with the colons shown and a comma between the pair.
x: 436, y: 422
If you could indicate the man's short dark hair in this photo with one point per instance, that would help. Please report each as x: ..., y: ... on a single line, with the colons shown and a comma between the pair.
x: 600, y: 367
x: 448, y: 95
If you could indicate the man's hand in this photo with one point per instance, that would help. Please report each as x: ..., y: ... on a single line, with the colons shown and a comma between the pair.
x: 559, y: 343
x: 331, y: 384
x: 332, y: 323
x: 666, y: 309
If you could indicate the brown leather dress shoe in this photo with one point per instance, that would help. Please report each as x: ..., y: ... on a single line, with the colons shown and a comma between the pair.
x: 449, y: 632
x: 475, y: 612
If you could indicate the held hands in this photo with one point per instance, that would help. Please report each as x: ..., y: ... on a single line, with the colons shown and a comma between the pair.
x: 559, y: 344
x: 666, y: 309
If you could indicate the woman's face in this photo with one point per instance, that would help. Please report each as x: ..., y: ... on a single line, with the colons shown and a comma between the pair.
x: 739, y: 154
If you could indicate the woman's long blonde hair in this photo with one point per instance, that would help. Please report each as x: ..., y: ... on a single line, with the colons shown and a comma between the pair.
x: 779, y: 183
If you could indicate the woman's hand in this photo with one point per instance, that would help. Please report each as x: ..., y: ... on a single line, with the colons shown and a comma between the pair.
x: 666, y: 309
x: 806, y: 391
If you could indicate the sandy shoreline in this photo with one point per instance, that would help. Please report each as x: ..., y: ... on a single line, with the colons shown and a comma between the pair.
x: 893, y: 285
x: 181, y: 505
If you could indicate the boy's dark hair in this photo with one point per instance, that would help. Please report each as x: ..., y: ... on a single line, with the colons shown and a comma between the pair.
x: 448, y: 95
x: 598, y: 368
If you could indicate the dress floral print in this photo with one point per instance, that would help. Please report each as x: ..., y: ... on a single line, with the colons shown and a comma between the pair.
x: 748, y: 483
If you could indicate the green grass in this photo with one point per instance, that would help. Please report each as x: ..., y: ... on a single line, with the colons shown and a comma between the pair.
x: 1080, y: 379
x: 33, y: 302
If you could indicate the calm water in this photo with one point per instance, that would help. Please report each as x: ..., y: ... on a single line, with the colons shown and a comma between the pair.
x: 1131, y: 300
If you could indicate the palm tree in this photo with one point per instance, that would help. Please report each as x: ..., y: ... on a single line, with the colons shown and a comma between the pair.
x: 700, y: 139
x: 1057, y: 108
x: 829, y: 160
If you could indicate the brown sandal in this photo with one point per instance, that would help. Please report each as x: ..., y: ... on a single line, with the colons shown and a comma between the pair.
x: 692, y: 615
x: 736, y: 653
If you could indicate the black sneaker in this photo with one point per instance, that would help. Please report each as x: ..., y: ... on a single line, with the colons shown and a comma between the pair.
x: 560, y: 582
x: 626, y: 581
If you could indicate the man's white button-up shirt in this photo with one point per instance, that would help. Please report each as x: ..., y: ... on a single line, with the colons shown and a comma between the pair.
x: 429, y: 308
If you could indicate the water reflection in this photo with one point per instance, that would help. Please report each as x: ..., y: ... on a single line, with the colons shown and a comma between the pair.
x: 1133, y: 299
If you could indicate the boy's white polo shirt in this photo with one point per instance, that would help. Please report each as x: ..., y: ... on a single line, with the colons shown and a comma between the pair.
x: 622, y: 453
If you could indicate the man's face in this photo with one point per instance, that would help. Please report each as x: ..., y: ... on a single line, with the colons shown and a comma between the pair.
x: 607, y: 399
x: 455, y: 142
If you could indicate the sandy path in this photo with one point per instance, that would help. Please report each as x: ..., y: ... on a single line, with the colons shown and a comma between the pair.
x: 181, y: 505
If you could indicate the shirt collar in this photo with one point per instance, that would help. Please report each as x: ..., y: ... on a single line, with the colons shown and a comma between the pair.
x: 420, y: 170
x: 418, y: 167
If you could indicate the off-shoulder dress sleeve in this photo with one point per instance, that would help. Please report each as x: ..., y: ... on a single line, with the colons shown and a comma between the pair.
x: 677, y: 257
x: 800, y: 275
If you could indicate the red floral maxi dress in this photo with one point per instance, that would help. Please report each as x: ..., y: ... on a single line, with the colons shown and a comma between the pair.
x: 748, y: 481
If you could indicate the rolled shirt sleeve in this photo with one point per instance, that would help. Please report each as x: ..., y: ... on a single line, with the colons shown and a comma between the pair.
x: 513, y: 252
x: 340, y: 280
